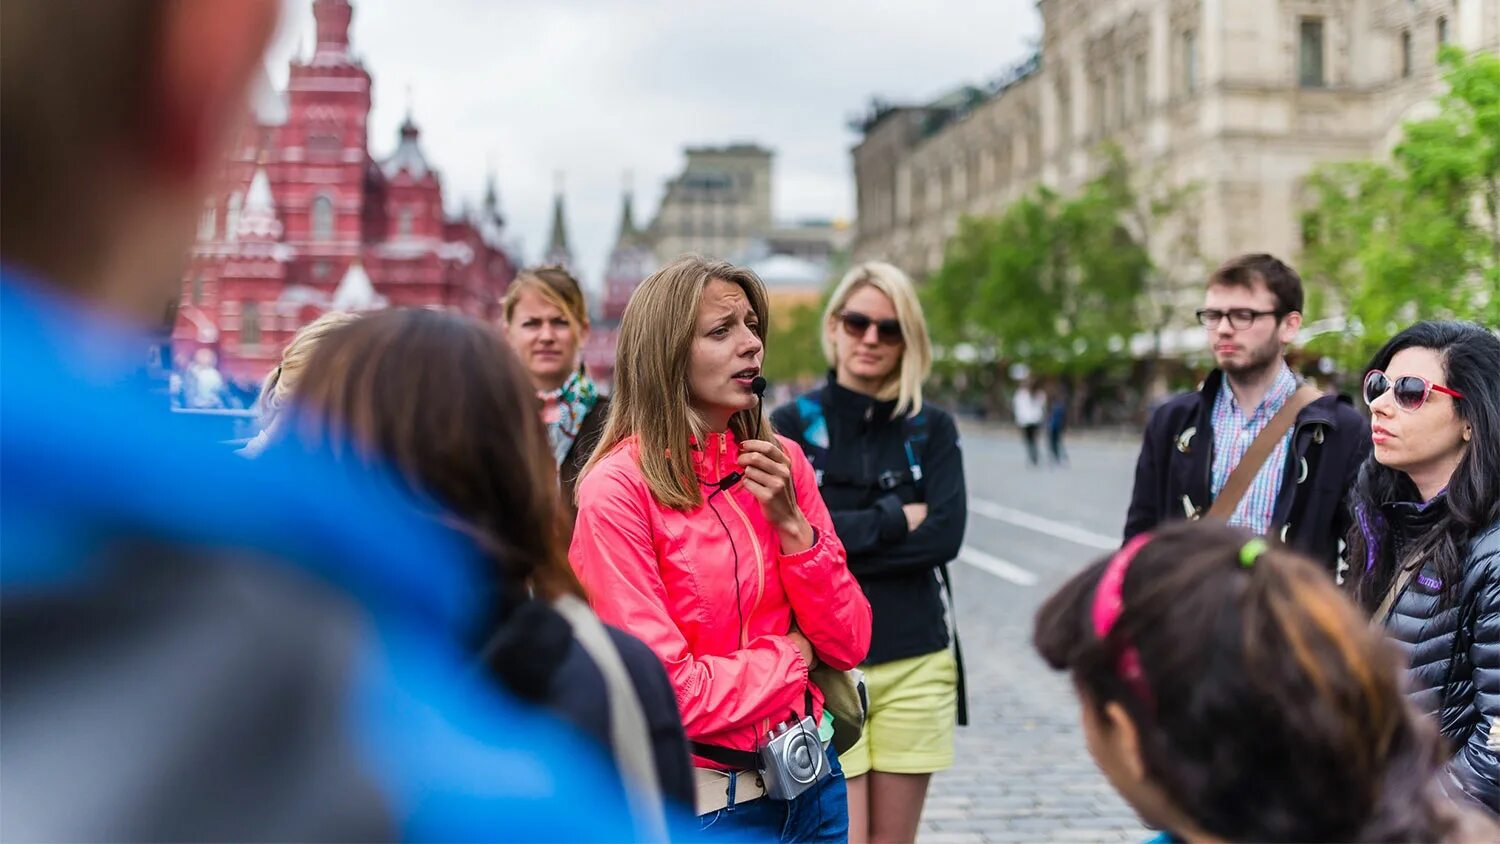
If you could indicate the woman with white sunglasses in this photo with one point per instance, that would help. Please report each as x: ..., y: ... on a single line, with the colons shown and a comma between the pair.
x: 1425, y: 547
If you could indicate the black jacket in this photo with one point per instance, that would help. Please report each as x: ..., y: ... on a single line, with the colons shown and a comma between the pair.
x: 895, y: 567
x: 534, y: 654
x: 1453, y: 651
x: 1329, y: 441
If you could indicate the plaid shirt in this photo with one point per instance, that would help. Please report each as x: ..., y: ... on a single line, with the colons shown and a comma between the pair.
x: 1233, y: 434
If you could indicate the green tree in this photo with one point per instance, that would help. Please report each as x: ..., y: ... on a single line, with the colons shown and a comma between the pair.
x: 1419, y: 237
x: 1052, y: 282
x: 794, y: 345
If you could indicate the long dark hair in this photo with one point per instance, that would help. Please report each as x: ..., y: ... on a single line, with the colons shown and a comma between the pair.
x: 442, y: 400
x: 1270, y: 710
x: 1471, y: 365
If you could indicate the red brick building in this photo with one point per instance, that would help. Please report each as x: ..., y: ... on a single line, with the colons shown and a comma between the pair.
x: 308, y: 221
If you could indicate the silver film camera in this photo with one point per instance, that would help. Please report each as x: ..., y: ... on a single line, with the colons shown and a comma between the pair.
x: 792, y: 760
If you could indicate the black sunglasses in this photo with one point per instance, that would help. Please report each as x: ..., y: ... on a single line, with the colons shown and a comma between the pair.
x: 857, y: 325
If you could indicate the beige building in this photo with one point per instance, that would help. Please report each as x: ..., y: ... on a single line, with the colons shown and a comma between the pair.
x: 717, y: 206
x: 1238, y: 98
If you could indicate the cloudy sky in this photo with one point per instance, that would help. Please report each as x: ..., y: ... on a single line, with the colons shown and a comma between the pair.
x: 593, y: 89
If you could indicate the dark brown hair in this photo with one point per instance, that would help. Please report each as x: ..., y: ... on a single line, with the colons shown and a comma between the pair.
x: 442, y: 399
x: 1274, y: 712
x: 1280, y: 279
x: 73, y: 78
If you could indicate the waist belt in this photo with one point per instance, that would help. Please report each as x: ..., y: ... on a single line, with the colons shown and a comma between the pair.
x: 715, y: 790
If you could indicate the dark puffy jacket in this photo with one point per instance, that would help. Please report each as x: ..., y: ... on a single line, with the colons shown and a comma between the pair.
x: 866, y: 480
x: 1329, y: 442
x: 1454, y: 651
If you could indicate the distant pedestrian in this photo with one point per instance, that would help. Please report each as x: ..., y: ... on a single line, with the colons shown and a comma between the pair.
x: 1057, y: 424
x: 1227, y: 451
x: 1030, y: 408
x: 890, y: 469
x: 1426, y: 544
x: 547, y: 324
x: 1229, y: 692
x: 203, y: 385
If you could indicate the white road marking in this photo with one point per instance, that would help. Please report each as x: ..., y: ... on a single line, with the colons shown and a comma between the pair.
x: 1042, y: 524
x: 996, y: 566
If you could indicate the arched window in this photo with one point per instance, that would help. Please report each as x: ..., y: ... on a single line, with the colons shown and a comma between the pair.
x: 322, y: 217
x: 250, y: 324
x: 232, y: 215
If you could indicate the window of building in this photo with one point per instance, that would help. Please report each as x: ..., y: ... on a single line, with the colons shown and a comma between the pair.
x: 320, y: 270
x: 198, y: 289
x: 1442, y: 31
x: 1121, y: 101
x: 404, y: 223
x: 1142, y: 92
x: 250, y: 324
x: 1405, y: 53
x: 322, y: 217
x: 232, y: 215
x: 1189, y: 62
x: 208, y: 224
x: 1310, y: 54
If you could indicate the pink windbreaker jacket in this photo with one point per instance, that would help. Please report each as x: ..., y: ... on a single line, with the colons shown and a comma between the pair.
x: 668, y: 577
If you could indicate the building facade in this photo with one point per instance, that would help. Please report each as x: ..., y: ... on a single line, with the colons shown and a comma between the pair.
x: 717, y: 206
x: 306, y: 220
x: 1238, y: 99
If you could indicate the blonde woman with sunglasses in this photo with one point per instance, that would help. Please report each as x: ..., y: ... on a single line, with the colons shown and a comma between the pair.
x: 889, y: 468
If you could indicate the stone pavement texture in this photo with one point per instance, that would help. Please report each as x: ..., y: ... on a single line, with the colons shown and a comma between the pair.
x: 1022, y: 772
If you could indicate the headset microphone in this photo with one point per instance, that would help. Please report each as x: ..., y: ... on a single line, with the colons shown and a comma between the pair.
x: 758, y: 387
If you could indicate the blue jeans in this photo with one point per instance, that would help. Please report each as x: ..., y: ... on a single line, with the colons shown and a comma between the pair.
x: 819, y: 814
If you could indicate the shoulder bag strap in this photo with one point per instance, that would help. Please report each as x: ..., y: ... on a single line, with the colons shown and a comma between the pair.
x: 629, y: 734
x: 1388, y: 603
x: 1255, y: 457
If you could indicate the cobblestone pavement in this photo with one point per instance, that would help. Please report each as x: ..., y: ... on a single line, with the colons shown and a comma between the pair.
x: 1022, y: 772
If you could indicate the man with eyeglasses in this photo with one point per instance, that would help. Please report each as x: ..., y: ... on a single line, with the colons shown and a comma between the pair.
x: 1252, y: 310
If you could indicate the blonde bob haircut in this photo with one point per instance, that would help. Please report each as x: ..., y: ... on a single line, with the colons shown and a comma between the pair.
x: 905, y: 385
x: 281, y: 383
x: 650, y: 399
x: 558, y: 287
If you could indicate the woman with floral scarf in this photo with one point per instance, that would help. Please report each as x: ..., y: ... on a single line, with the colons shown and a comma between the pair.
x: 546, y: 322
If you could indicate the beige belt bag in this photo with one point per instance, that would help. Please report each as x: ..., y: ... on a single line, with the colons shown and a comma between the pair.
x: 712, y: 793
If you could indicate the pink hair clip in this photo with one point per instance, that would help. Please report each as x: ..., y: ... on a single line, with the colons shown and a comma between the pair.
x: 1109, y: 605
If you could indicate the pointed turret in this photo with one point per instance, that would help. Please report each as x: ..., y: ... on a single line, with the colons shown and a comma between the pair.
x: 355, y: 292
x: 557, y: 245
x: 628, y: 234
x: 408, y: 156
x: 333, y: 18
x: 258, y: 219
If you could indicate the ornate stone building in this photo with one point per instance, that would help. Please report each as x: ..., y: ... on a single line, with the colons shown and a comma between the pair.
x: 307, y: 220
x: 717, y: 205
x: 1238, y: 98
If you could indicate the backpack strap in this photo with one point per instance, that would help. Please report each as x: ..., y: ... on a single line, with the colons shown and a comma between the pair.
x: 629, y: 733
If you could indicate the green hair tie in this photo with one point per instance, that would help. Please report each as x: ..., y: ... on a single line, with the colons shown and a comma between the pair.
x: 1251, y: 551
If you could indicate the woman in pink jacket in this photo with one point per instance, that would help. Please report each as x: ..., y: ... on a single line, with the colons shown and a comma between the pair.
x: 706, y: 537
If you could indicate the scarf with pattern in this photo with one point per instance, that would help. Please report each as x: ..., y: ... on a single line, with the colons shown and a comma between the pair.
x: 563, y: 410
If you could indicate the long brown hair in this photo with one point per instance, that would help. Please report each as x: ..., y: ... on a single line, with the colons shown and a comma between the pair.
x: 650, y: 398
x: 1270, y: 710
x: 441, y: 399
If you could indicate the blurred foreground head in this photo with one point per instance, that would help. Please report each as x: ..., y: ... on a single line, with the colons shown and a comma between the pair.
x: 113, y: 121
x: 1230, y: 692
x: 443, y: 401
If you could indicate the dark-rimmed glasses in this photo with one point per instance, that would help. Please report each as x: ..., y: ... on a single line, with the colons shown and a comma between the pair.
x: 1239, y: 318
x: 857, y: 325
x: 1409, y: 391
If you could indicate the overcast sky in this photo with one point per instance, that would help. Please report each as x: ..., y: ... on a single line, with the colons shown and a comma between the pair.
x: 594, y: 89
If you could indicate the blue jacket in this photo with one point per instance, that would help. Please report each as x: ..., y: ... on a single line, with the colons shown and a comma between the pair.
x: 203, y: 647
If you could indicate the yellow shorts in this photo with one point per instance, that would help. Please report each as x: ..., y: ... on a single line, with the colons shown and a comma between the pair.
x: 913, y: 709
